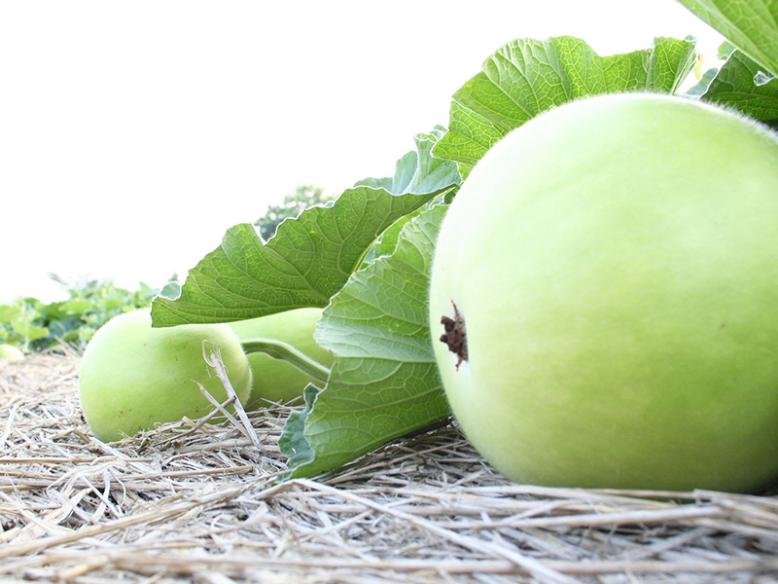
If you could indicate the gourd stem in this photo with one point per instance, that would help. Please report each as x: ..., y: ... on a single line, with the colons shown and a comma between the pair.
x: 280, y: 350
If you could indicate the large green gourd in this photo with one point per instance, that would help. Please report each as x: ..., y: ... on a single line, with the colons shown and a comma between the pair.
x: 614, y: 263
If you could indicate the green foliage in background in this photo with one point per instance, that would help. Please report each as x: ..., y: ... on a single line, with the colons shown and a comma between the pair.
x: 33, y: 325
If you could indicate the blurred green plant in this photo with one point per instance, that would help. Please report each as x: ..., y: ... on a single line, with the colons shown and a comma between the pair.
x: 302, y: 198
x: 33, y: 325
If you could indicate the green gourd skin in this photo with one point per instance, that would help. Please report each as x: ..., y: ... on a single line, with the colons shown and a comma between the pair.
x: 134, y: 377
x: 615, y: 261
x: 276, y: 380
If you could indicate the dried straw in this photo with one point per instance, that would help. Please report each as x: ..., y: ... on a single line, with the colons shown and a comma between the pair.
x: 200, y: 502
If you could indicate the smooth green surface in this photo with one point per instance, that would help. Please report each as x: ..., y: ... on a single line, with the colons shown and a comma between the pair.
x: 276, y: 380
x: 134, y: 377
x: 616, y: 264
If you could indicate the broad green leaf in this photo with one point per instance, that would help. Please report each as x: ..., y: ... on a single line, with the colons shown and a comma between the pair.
x: 384, y: 381
x: 527, y: 77
x: 304, y: 264
x: 750, y: 25
x: 737, y: 86
x: 310, y: 257
x: 418, y: 172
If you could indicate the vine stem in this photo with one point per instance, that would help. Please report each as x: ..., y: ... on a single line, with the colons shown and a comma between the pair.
x: 280, y: 350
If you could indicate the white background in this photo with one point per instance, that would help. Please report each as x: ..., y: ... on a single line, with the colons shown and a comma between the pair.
x: 132, y: 134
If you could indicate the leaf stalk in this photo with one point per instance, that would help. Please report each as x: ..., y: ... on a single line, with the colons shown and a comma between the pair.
x: 280, y: 350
